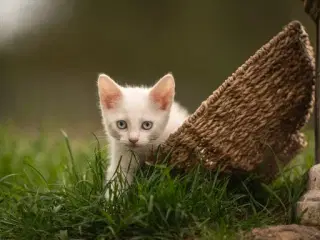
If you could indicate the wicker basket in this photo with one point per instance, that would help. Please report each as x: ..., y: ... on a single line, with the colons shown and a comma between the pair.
x: 255, y: 116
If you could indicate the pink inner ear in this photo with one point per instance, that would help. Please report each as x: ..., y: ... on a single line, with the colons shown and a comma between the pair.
x: 109, y: 100
x: 163, y: 100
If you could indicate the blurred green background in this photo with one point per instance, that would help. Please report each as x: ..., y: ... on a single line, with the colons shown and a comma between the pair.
x: 51, y: 51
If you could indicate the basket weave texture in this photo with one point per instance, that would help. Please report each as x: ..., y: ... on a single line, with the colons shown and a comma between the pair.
x: 256, y: 115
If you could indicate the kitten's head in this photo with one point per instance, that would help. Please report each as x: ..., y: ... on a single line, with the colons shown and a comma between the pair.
x: 135, y: 116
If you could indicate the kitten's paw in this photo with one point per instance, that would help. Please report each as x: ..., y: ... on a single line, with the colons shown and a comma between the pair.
x: 113, y: 189
x: 108, y: 195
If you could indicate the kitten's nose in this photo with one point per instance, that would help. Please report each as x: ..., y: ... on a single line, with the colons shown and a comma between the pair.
x: 133, y: 140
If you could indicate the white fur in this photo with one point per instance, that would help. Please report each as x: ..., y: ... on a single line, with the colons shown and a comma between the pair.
x: 136, y: 106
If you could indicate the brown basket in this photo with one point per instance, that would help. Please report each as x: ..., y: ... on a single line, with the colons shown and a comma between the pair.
x: 255, y: 116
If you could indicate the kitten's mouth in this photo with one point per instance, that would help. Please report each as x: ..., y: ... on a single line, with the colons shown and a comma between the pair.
x: 132, y: 145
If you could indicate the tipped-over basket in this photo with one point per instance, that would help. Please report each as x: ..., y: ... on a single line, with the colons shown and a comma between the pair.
x: 254, y: 118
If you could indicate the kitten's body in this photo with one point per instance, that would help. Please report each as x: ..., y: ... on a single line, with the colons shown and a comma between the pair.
x: 139, y: 108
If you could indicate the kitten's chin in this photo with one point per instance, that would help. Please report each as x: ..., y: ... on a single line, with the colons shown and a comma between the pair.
x: 135, y: 147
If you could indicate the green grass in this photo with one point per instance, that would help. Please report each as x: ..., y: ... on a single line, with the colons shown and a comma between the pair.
x: 53, y: 189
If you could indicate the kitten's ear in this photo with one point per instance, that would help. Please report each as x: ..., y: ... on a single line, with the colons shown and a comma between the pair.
x: 162, y: 93
x: 109, y: 91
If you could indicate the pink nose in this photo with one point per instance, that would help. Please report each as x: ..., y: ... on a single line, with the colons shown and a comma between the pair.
x: 133, y: 140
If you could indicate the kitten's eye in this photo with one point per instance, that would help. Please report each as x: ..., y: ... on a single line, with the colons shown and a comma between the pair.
x: 147, y: 125
x: 121, y: 124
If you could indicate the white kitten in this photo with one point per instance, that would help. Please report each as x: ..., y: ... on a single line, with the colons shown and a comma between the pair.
x: 137, y: 119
